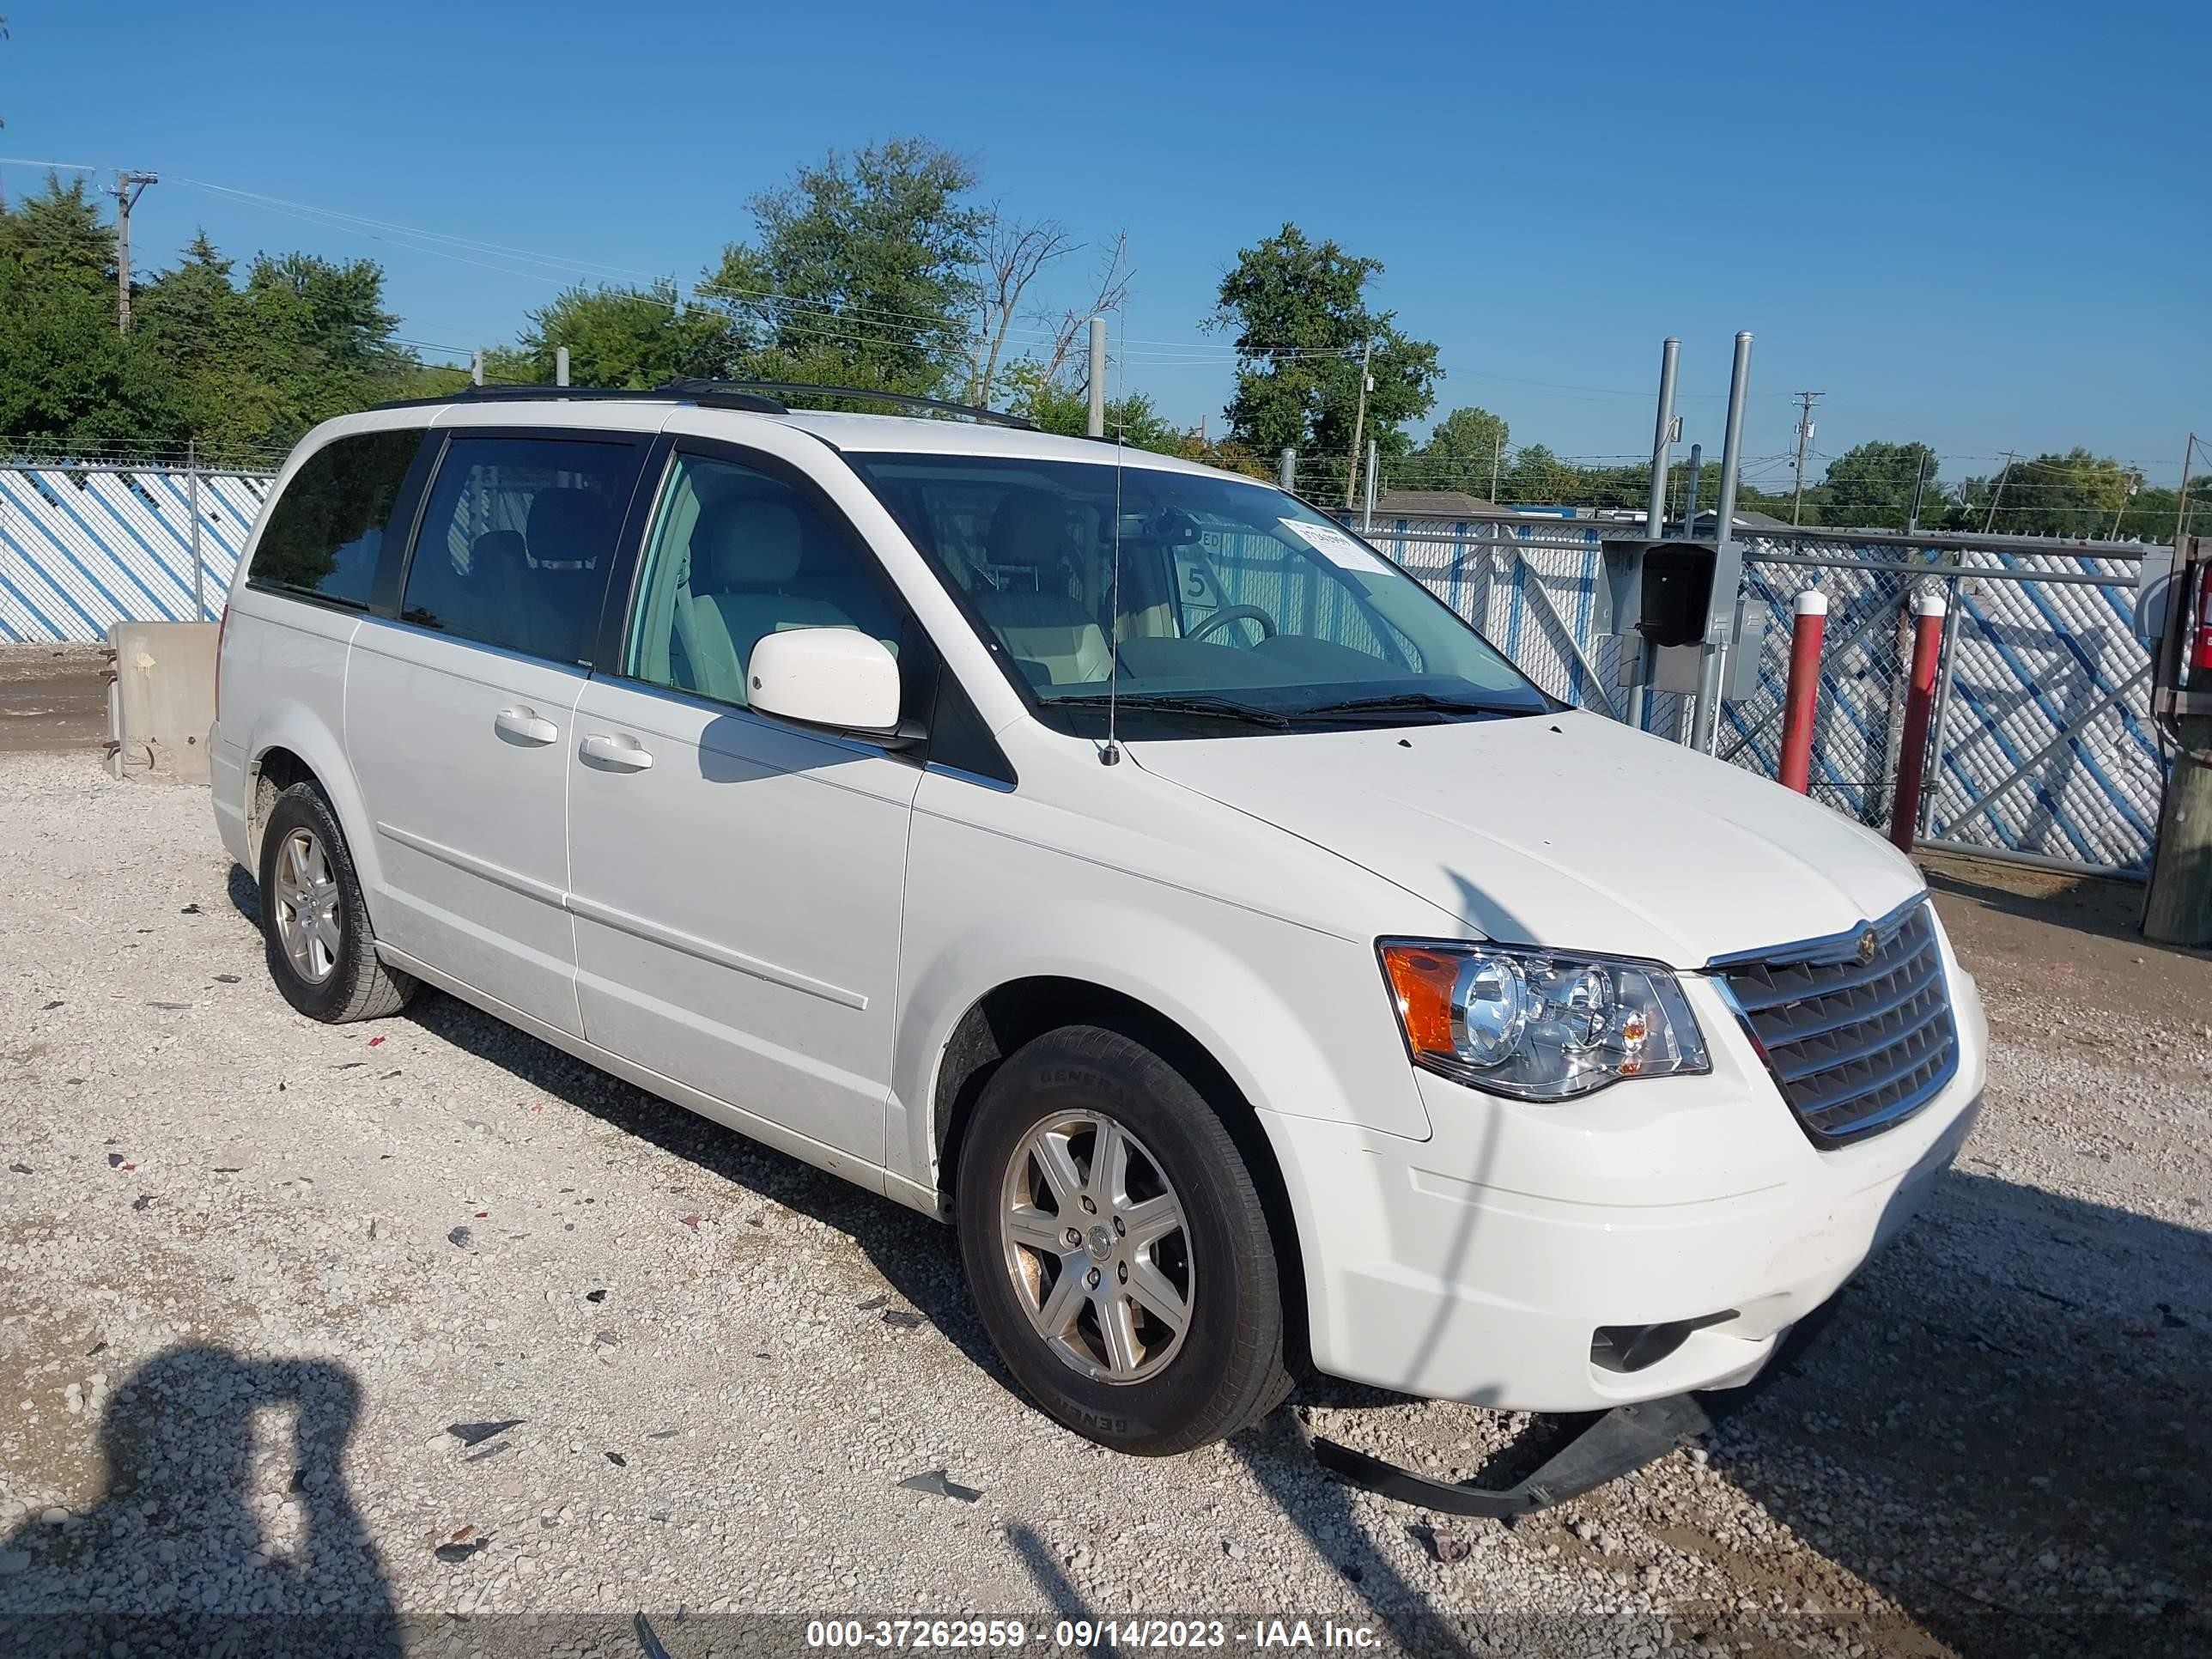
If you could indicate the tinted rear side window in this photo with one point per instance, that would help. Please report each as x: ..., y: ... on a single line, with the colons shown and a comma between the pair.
x: 517, y: 540
x: 326, y: 530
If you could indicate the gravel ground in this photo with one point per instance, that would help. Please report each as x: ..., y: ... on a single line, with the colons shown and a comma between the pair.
x: 257, y: 1271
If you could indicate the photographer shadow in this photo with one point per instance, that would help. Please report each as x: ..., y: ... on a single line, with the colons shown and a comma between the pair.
x: 198, y: 1545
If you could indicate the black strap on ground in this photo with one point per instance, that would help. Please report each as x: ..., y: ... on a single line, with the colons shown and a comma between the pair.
x: 1613, y: 1444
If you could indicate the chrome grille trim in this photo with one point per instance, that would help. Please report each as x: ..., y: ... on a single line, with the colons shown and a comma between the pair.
x: 1853, y: 1046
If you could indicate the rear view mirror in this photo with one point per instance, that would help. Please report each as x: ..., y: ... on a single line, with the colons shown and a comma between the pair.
x: 837, y: 678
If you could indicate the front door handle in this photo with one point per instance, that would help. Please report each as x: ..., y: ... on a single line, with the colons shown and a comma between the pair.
x: 524, y: 725
x: 623, y: 753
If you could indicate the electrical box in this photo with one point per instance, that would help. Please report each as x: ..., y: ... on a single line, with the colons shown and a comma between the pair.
x: 1745, y: 651
x: 1677, y: 590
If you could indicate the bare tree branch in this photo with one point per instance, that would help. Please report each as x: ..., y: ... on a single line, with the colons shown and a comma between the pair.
x: 1014, y: 251
x: 1114, y: 279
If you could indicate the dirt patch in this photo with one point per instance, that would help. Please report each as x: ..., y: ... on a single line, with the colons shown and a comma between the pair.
x: 52, y: 698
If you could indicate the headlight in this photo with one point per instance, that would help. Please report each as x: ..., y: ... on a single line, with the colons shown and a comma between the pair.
x: 1538, y: 1024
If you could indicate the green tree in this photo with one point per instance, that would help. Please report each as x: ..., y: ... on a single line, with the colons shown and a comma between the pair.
x: 57, y: 230
x: 1871, y: 487
x: 631, y: 337
x: 1056, y: 406
x: 1299, y: 314
x: 1459, y: 453
x: 2078, y: 494
x: 863, y: 272
x: 68, y: 381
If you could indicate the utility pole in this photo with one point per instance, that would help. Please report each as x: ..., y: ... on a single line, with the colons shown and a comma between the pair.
x: 1804, y: 437
x: 1096, y: 424
x: 1919, y: 483
x: 2135, y: 480
x: 1358, y: 425
x: 1997, y: 495
x: 1497, y: 449
x: 126, y: 190
x: 2181, y: 506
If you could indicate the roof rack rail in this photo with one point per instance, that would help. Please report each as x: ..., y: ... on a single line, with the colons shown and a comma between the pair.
x: 771, y: 392
x: 756, y: 397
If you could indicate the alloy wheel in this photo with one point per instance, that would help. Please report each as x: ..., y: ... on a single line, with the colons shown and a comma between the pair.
x: 1095, y: 1240
x: 308, y: 923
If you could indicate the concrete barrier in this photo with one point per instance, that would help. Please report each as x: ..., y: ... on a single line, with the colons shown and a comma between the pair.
x: 163, y: 700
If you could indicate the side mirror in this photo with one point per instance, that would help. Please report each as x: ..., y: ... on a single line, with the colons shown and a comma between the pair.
x: 837, y: 678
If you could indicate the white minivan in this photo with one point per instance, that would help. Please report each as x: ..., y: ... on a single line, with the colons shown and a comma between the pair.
x: 1109, y: 855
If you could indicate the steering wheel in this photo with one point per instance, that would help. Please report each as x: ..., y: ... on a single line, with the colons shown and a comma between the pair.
x: 1230, y: 613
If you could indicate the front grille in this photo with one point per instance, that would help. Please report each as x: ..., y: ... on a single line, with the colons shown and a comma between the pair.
x: 1857, y: 1029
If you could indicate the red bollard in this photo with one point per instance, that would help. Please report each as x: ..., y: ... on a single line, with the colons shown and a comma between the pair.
x: 1919, y: 704
x: 1800, y: 708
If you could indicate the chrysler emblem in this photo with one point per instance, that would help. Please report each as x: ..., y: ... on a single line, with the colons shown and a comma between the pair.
x: 1870, y: 942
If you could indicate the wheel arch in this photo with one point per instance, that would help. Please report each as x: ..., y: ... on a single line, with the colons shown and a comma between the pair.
x: 1011, y: 1014
x: 295, y: 747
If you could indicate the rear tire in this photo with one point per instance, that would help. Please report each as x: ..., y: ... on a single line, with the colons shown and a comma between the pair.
x: 1116, y: 1246
x: 314, y: 922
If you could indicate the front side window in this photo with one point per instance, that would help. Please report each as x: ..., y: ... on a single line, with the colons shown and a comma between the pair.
x: 1203, y: 602
x: 517, y: 539
x: 326, y: 531
x: 735, y: 554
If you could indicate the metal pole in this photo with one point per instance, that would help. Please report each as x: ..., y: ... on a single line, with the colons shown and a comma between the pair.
x: 1801, y: 703
x: 560, y: 365
x: 1367, y: 521
x: 1358, y: 422
x: 1939, y: 745
x: 1096, y: 427
x: 1286, y: 468
x: 1728, y: 552
x: 1690, y: 493
x: 1662, y: 441
x: 192, y: 506
x: 1919, y: 704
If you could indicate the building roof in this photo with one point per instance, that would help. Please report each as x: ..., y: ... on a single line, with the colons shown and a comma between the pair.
x: 1434, y: 504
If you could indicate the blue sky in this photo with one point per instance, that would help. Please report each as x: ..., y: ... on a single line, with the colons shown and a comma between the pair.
x: 1987, y: 226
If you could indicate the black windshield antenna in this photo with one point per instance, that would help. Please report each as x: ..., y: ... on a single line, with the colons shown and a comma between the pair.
x: 1111, y: 754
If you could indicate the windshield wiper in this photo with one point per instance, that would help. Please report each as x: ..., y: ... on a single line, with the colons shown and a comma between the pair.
x: 1161, y: 703
x: 1409, y: 702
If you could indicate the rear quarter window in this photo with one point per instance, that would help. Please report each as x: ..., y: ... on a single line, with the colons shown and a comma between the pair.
x: 325, y: 532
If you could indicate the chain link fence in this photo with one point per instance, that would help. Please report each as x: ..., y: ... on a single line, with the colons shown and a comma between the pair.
x: 86, y: 544
x: 2043, y: 749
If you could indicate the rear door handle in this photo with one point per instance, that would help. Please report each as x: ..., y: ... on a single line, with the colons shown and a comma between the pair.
x: 524, y: 725
x: 623, y: 753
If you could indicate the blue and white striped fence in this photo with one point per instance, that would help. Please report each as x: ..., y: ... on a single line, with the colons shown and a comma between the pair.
x: 84, y: 546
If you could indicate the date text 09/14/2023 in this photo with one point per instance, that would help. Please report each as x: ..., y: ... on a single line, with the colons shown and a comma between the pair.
x: 1087, y: 1635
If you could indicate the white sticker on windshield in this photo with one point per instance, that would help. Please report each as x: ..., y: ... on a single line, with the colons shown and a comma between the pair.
x: 1333, y: 545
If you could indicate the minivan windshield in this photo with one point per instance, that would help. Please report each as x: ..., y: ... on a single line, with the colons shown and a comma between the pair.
x: 1227, y: 606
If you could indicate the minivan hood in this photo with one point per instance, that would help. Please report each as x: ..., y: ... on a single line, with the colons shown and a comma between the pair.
x: 1568, y: 830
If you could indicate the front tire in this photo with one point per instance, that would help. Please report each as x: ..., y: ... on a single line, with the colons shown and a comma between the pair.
x: 321, y: 949
x: 1117, y: 1247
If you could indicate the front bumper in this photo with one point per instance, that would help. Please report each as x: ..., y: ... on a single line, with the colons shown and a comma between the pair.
x: 1479, y: 1265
